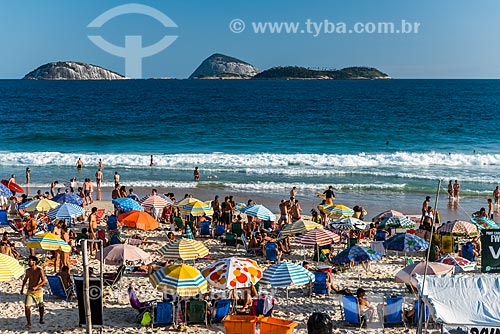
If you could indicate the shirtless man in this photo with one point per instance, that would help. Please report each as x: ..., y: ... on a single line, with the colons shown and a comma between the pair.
x: 116, y: 177
x: 293, y: 193
x: 88, y: 188
x: 98, y: 178
x: 79, y: 164
x: 100, y: 164
x: 93, y: 229
x: 283, y: 213
x: 36, y: 279
x: 295, y: 211
x: 12, y: 180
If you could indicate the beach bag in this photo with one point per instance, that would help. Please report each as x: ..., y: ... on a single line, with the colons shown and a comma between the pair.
x: 319, y: 323
x: 146, y: 319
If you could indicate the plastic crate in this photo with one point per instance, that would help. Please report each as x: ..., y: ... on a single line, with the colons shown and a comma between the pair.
x: 240, y: 324
x: 270, y: 325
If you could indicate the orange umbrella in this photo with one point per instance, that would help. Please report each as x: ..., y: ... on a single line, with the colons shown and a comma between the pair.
x: 138, y: 219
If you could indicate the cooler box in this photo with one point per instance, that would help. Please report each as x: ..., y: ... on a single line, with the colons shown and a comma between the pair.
x: 240, y: 324
x: 325, y: 269
x: 270, y: 325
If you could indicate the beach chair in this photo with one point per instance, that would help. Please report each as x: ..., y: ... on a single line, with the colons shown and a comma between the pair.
x: 219, y: 230
x: 231, y: 239
x: 468, y: 252
x: 351, y: 311
x: 100, y: 215
x: 320, y: 283
x: 163, y: 314
x: 414, y: 321
x: 136, y: 304
x: 271, y: 253
x: 236, y: 228
x: 197, y: 312
x: 221, y: 308
x: 57, y: 289
x: 268, y: 225
x: 252, y: 251
x: 205, y: 229
x: 393, y: 312
x: 112, y: 279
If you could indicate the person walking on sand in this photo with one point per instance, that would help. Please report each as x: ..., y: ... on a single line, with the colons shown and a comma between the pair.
x: 456, y: 190
x: 28, y: 175
x: 98, y: 178
x: 36, y: 279
x: 196, y: 174
x: 79, y: 164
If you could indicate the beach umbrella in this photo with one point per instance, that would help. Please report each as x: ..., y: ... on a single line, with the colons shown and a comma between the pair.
x: 41, y: 205
x: 483, y: 223
x: 458, y: 228
x: 179, y: 279
x: 318, y: 237
x: 48, y: 241
x: 127, y: 204
x: 386, y: 214
x: 71, y: 198
x: 460, y: 263
x: 66, y: 211
x: 396, y: 222
x: 349, y: 223
x: 285, y: 274
x: 157, y: 202
x: 138, y: 219
x: 336, y: 210
x: 189, y: 233
x: 185, y: 249
x: 233, y: 273
x: 300, y: 226
x: 4, y: 191
x: 187, y: 201
x: 406, y: 242
x: 259, y: 211
x: 10, y: 268
x: 197, y: 209
x: 356, y: 254
x: 405, y: 275
x: 120, y: 253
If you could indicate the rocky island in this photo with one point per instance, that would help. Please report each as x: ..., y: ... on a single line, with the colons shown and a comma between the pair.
x: 71, y: 70
x: 219, y: 66
x: 296, y: 72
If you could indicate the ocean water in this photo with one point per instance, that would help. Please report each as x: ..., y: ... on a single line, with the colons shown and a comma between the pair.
x: 390, y: 137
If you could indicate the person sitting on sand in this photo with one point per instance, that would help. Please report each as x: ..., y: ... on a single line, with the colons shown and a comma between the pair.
x: 65, y: 277
x: 255, y: 241
x: 365, y: 308
x: 7, y: 247
x: 170, y: 236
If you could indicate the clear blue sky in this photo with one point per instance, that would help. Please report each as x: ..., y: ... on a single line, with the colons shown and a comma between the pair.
x: 456, y: 39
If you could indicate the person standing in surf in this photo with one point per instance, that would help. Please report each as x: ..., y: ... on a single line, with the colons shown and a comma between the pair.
x: 456, y: 190
x: 28, y: 175
x: 151, y: 162
x: 329, y: 195
x: 196, y: 174
x: 98, y: 178
x: 79, y: 164
x: 496, y: 198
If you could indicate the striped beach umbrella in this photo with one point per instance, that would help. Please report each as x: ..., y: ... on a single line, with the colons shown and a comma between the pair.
x: 197, y: 209
x: 356, y: 254
x: 349, y: 223
x: 300, y: 226
x: 179, y: 279
x: 187, y: 201
x: 406, y: 243
x: 285, y: 274
x: 458, y: 228
x: 127, y: 204
x: 396, y: 222
x: 386, y: 214
x: 4, y: 191
x: 318, y: 237
x: 185, y: 249
x: 337, y: 210
x: 259, y: 211
x: 9, y: 268
x: 138, y: 219
x: 71, y: 198
x: 41, y: 205
x: 66, y: 211
x: 233, y: 273
x: 157, y: 202
x: 48, y: 241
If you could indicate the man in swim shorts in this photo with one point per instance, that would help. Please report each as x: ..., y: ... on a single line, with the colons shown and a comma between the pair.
x: 79, y: 163
x: 36, y: 279
x: 329, y: 195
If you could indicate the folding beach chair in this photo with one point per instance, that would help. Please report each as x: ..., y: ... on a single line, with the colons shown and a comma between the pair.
x: 196, y: 312
x: 393, y: 312
x: 416, y: 304
x: 100, y: 215
x: 320, y: 283
x: 257, y: 307
x: 231, y: 239
x: 351, y: 311
x: 250, y: 251
x: 57, y: 288
x: 205, y: 229
x: 112, y: 279
x: 136, y: 304
x: 163, y: 314
x: 236, y: 228
x: 271, y: 253
x: 219, y: 230
x: 221, y: 308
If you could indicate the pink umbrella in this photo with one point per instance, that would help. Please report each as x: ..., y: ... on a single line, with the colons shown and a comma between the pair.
x: 157, y: 202
x: 318, y: 237
x: 405, y: 275
x: 120, y: 253
x: 458, y: 227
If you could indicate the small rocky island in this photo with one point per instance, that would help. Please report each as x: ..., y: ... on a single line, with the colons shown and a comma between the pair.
x: 219, y: 66
x: 71, y: 70
x: 295, y: 72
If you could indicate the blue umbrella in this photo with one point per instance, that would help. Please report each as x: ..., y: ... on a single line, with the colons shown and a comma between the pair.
x: 71, y: 198
x: 396, y: 222
x: 356, y: 254
x: 406, y: 243
x: 127, y: 204
x: 259, y: 211
x: 285, y: 274
x: 4, y: 191
x: 66, y: 211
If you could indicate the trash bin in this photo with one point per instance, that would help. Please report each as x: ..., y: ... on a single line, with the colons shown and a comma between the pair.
x: 270, y: 325
x: 95, y: 292
x: 240, y: 324
x: 319, y: 323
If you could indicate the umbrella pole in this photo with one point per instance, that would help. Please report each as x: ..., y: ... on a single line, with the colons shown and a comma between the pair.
x: 287, y: 296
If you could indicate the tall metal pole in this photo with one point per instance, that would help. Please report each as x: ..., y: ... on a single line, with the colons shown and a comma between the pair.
x: 86, y: 288
x: 421, y: 306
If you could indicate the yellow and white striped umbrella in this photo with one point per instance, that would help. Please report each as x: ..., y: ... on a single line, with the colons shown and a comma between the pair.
x: 9, y: 268
x: 41, y: 205
x: 197, y: 209
x: 185, y: 249
x: 300, y: 226
x: 48, y: 241
x: 187, y: 201
x: 179, y: 279
x: 337, y: 210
